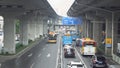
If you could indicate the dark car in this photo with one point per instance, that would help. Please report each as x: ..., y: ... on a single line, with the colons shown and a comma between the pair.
x: 99, y: 61
x: 69, y: 52
x: 77, y: 42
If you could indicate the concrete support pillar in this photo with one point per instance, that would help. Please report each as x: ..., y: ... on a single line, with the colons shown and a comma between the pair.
x: 108, y: 35
x: 89, y: 29
x: 84, y: 30
x: 41, y: 27
x: 24, y: 32
x: 9, y: 35
x: 37, y: 29
x: 29, y: 34
x: 97, y: 29
x: 32, y: 30
x: 45, y: 27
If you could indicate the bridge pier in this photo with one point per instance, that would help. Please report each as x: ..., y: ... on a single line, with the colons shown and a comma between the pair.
x: 24, y: 31
x: 9, y: 35
x: 108, y: 35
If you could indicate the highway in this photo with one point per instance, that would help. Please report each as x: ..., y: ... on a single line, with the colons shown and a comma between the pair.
x: 42, y: 55
x: 84, y: 59
x: 46, y: 55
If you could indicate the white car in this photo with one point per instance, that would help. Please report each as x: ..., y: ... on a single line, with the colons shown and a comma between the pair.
x: 73, y: 64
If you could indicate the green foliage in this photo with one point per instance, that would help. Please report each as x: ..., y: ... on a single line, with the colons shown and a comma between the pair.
x: 17, y: 26
x: 18, y: 45
x: 30, y: 41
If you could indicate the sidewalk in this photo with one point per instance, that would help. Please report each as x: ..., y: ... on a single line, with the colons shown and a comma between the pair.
x: 114, y: 66
x: 112, y: 63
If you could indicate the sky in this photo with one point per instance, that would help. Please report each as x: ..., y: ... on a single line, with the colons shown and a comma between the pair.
x: 61, y: 6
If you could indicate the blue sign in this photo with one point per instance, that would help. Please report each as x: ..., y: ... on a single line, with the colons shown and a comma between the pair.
x: 108, y: 45
x: 71, y: 20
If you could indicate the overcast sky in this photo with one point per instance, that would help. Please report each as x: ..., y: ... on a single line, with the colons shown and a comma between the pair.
x: 61, y: 6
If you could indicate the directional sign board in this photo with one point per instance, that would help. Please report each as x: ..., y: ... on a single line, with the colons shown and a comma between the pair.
x: 71, y: 20
x: 108, y: 42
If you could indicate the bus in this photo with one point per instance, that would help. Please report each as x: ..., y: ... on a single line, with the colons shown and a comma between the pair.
x: 88, y: 46
x: 52, y: 37
x: 67, y: 39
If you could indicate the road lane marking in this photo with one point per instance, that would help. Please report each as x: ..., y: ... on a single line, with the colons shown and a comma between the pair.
x: 32, y: 65
x: 39, y: 55
x: 43, y: 49
x: 80, y: 58
x: 57, y: 57
x: 0, y: 65
x: 61, y: 54
x: 48, y: 55
x: 30, y: 55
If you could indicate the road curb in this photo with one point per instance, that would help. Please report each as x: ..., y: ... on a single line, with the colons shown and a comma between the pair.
x: 19, y: 54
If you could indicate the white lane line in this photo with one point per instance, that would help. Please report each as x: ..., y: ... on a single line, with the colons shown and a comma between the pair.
x: 43, y: 49
x: 61, y: 54
x: 32, y: 65
x: 48, y: 55
x: 81, y: 58
x: 57, y: 57
x: 39, y: 55
x: 30, y: 55
x: 0, y: 65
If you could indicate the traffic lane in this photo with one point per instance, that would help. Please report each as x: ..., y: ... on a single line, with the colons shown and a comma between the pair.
x: 48, y: 58
x: 26, y: 59
x: 86, y: 59
x: 65, y: 61
x: 29, y: 57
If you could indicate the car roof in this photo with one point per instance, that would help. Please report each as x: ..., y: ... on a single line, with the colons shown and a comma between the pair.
x: 74, y: 66
x: 76, y: 63
x: 68, y: 46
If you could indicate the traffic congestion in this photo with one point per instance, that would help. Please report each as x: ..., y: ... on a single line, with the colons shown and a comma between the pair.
x: 77, y: 52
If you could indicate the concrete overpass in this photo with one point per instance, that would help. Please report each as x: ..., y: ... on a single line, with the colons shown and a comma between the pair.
x: 33, y: 14
x: 99, y: 16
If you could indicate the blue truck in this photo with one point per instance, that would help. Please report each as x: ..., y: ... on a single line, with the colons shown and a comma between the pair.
x: 66, y: 40
x: 74, y: 35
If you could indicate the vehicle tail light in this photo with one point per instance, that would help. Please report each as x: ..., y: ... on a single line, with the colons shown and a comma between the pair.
x: 94, y: 61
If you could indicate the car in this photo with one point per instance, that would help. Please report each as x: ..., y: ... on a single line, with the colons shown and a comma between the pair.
x: 75, y: 64
x: 69, y: 51
x: 98, y: 61
x: 78, y: 42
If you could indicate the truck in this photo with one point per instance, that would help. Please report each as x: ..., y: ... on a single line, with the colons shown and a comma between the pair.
x: 67, y: 39
x: 52, y: 37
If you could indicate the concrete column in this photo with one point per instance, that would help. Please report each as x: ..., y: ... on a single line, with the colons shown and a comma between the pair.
x: 45, y: 27
x: 29, y: 34
x: 9, y: 35
x: 108, y: 35
x: 84, y: 32
x: 24, y: 32
x: 41, y: 27
x: 37, y: 27
x: 35, y: 24
x: 32, y: 30
x: 37, y: 30
x: 89, y: 29
x: 97, y: 29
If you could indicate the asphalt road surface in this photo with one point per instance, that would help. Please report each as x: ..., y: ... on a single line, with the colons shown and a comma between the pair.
x: 42, y: 55
x: 46, y: 55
